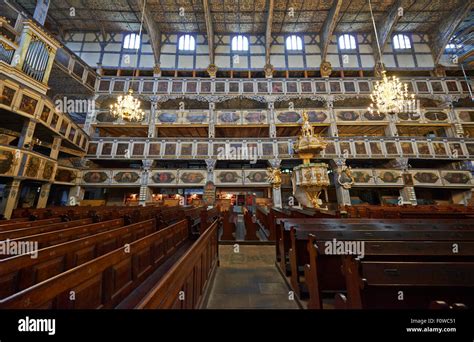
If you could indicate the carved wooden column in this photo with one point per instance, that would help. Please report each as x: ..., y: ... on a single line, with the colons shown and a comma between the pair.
x: 342, y: 185
x: 27, y: 133
x: 407, y: 193
x: 44, y: 195
x: 277, y: 199
x: 145, y: 192
x: 11, y: 194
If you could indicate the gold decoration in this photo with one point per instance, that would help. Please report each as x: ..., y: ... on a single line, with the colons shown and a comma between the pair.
x: 275, y: 177
x: 325, y: 69
x: 212, y: 70
x: 127, y: 108
x: 308, y: 143
x: 311, y: 178
x: 268, y: 70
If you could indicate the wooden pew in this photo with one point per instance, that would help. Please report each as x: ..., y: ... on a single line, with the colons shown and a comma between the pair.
x: 320, y: 275
x: 377, y: 284
x: 105, y: 281
x: 189, y: 276
x: 5, y: 222
x: 263, y: 218
x: 20, y: 272
x: 250, y: 227
x: 208, y: 215
x: 64, y: 235
x: 299, y: 256
x: 28, y: 224
x: 228, y: 226
x: 285, y: 225
x: 17, y: 233
x: 277, y: 214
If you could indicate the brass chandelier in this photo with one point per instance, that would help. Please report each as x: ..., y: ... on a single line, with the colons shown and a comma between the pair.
x: 390, y: 96
x: 128, y: 108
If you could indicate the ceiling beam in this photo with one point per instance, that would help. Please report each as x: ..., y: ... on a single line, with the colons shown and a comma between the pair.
x: 209, y: 30
x: 152, y: 29
x: 329, y: 27
x: 444, y: 31
x: 268, y: 32
x: 386, y: 27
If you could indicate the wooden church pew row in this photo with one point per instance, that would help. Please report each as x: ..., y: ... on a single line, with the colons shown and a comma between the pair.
x: 189, y: 276
x: 53, y: 238
x: 18, y: 220
x: 105, y: 281
x: 228, y: 226
x: 169, y: 215
x: 250, y: 226
x: 380, y: 284
x: 20, y: 272
x: 285, y: 226
x: 298, y: 254
x: 278, y: 213
x: 17, y: 233
x: 263, y: 217
x: 319, y: 271
x: 28, y: 224
x: 372, y: 211
x: 387, y: 223
x: 207, y: 217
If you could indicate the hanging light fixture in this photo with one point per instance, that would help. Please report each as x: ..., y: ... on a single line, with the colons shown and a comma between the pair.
x: 128, y: 108
x: 390, y: 96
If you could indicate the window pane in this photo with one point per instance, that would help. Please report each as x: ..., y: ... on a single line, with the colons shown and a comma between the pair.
x: 240, y: 43
x: 347, y: 42
x: 187, y: 43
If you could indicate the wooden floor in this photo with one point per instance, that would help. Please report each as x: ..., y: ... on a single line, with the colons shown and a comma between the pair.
x: 249, y: 280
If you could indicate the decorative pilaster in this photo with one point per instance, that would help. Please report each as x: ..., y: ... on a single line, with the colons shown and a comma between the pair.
x: 275, y: 180
x: 333, y: 131
x: 391, y: 130
x: 145, y: 192
x: 271, y: 118
x: 76, y: 195
x: 91, y: 117
x: 212, y: 120
x: 44, y: 195
x: 457, y: 129
x: 10, y: 198
x: 27, y: 134
x: 152, y: 119
x: 210, y: 164
x: 343, y: 181
x: 407, y: 193
x: 55, y: 147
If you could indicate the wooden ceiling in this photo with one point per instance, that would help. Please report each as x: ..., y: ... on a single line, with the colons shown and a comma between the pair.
x: 239, y: 16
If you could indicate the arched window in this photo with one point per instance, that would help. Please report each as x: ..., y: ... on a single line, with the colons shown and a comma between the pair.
x: 294, y: 43
x: 131, y: 41
x: 401, y: 41
x: 451, y: 47
x: 347, y: 42
x: 240, y: 43
x: 187, y: 43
